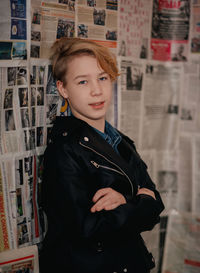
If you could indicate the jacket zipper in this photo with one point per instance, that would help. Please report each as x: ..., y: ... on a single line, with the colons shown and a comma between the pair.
x: 105, y: 167
x: 121, y: 171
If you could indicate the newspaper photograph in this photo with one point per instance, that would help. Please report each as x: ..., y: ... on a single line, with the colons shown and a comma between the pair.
x: 170, y: 30
x: 24, y: 260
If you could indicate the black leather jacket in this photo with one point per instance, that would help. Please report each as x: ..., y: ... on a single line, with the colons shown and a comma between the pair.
x: 78, y: 162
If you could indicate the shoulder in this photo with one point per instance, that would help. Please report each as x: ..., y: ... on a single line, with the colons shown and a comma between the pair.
x: 67, y: 130
x: 127, y: 139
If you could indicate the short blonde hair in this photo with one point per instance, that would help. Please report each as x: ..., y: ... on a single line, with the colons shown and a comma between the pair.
x: 65, y: 49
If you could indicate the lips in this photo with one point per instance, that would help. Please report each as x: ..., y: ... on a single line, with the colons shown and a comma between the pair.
x: 97, y: 105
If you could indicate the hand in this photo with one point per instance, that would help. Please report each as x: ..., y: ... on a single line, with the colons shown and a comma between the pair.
x: 147, y: 192
x: 107, y: 199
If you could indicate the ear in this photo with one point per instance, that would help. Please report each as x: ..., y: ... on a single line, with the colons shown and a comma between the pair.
x: 62, y: 90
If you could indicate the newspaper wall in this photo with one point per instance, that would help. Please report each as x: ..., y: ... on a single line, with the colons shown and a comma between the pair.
x: 182, y: 248
x: 155, y: 101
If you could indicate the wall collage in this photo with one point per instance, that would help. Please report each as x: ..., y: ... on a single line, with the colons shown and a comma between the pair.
x: 155, y: 102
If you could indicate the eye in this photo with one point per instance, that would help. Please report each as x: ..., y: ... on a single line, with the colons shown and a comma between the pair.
x: 82, y: 82
x: 104, y: 78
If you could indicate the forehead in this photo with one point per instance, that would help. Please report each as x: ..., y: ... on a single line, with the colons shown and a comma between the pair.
x: 83, y: 64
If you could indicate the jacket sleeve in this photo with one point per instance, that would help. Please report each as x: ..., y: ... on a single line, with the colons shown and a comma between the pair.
x: 69, y: 191
x: 142, y: 211
x: 145, y: 210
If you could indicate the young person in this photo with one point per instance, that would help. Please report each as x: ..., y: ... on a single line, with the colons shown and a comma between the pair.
x: 96, y: 192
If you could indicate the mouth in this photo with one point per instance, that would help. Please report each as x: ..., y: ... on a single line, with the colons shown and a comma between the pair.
x: 97, y: 105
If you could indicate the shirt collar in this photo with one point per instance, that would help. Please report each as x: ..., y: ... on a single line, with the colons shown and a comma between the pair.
x: 110, y: 134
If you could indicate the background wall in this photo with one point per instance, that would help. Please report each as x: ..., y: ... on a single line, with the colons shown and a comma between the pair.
x: 155, y: 102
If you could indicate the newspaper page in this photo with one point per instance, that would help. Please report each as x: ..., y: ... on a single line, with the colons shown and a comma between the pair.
x: 170, y: 30
x: 196, y: 175
x: 35, y: 135
x: 50, y: 21
x: 20, y: 260
x: 195, y: 27
x: 97, y: 20
x: 5, y: 224
x: 23, y: 115
x: 190, y: 99
x: 22, y: 221
x: 160, y: 124
x: 185, y: 173
x: 182, y: 247
x: 134, y: 28
x: 14, y: 97
x: 8, y: 205
x: 13, y: 28
x: 131, y: 88
x: 167, y: 170
x: 28, y: 225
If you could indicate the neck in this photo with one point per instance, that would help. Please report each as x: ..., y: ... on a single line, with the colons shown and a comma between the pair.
x: 97, y: 124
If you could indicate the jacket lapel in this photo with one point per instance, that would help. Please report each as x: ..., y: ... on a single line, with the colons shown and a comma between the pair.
x: 92, y: 140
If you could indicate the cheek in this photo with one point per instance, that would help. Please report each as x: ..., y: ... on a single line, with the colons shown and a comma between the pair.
x: 109, y: 90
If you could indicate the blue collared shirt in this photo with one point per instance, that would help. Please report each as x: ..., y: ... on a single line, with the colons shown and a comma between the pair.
x: 111, y: 135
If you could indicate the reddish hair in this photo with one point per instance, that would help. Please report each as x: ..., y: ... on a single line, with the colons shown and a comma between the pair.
x: 64, y: 49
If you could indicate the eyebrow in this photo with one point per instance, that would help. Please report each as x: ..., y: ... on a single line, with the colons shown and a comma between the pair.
x: 86, y: 75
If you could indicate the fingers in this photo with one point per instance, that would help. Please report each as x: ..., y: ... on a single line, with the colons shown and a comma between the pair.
x: 100, y: 193
x: 147, y: 192
x: 107, y: 199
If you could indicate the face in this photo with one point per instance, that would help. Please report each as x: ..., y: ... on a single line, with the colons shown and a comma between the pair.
x: 88, y: 90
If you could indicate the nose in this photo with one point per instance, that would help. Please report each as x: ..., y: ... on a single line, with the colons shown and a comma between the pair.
x: 96, y: 88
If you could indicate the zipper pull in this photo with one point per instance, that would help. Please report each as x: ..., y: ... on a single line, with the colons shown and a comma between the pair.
x: 95, y: 164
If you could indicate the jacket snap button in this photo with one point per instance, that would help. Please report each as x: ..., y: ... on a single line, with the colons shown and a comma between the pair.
x: 99, y: 247
x: 86, y: 138
x: 64, y: 134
